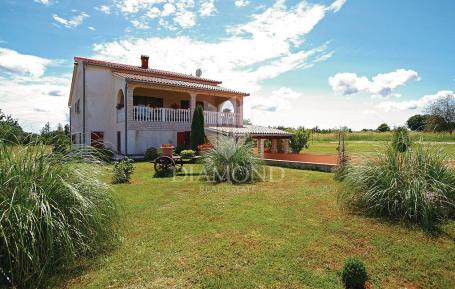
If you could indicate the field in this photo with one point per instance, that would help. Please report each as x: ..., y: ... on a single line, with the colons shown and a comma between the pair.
x: 186, y: 233
x: 367, y: 143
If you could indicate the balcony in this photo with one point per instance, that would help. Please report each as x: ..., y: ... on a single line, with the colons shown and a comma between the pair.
x: 212, y: 118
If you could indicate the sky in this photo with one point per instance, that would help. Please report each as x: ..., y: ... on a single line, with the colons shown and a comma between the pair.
x: 325, y: 63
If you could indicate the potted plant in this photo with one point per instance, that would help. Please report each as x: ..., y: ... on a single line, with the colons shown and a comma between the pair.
x: 167, y: 150
x: 204, y: 147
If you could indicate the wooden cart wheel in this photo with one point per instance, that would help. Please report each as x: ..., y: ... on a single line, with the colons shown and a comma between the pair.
x: 164, y: 163
x: 178, y: 163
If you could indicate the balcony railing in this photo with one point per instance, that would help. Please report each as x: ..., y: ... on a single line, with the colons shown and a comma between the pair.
x: 147, y: 114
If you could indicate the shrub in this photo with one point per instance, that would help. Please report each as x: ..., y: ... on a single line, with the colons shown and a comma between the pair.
x: 299, y: 139
x: 151, y: 154
x: 187, y: 154
x: 416, y: 185
x: 354, y: 274
x: 123, y: 171
x: 400, y: 139
x: 342, y: 159
x: 197, y: 135
x: 53, y: 212
x: 232, y: 161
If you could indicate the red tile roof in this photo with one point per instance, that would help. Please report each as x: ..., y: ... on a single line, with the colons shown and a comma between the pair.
x: 177, y: 83
x: 137, y: 70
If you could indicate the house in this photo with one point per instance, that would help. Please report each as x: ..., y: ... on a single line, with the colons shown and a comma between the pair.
x: 132, y: 108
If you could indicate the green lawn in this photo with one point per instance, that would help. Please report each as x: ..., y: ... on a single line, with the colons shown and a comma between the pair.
x: 287, y: 234
x: 366, y: 147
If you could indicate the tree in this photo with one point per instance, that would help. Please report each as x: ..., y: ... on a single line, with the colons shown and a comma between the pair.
x: 10, y: 130
x: 67, y: 129
x: 383, y: 127
x: 247, y: 121
x: 442, y: 113
x: 197, y: 136
x: 45, y: 133
x: 417, y: 122
x: 299, y: 139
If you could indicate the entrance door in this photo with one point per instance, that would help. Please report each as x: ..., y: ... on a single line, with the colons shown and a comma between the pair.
x: 183, y: 138
x: 97, y: 139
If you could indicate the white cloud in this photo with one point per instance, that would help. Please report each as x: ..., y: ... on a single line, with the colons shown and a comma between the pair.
x: 44, y: 2
x: 382, y: 84
x: 207, y: 8
x: 336, y: 6
x: 170, y: 14
x: 278, y: 100
x: 241, y: 3
x: 35, y: 101
x: 140, y: 23
x: 71, y: 22
x: 242, y: 60
x: 22, y: 64
x: 104, y: 8
x: 185, y: 19
x: 91, y: 28
x: 282, y: 23
x: 153, y: 13
x: 168, y: 9
x: 413, y: 104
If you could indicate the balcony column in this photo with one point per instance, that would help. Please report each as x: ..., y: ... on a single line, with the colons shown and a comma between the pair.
x: 274, y: 148
x: 239, y: 111
x: 260, y: 144
x: 192, y: 102
x: 285, y: 145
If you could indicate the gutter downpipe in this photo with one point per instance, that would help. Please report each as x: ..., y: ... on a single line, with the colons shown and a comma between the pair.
x: 83, y: 103
x: 126, y: 116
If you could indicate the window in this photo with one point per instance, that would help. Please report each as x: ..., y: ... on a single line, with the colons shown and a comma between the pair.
x: 120, y: 100
x: 147, y: 101
x: 77, y: 109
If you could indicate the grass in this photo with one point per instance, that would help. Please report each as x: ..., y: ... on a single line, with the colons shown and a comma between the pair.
x: 384, y: 136
x: 288, y: 234
x: 357, y: 148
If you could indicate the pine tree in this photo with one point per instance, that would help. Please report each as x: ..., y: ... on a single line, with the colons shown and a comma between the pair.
x: 197, y: 128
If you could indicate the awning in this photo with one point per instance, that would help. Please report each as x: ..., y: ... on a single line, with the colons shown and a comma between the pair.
x: 253, y: 131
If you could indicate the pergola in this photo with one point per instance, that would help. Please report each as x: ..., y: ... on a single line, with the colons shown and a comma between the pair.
x: 259, y: 133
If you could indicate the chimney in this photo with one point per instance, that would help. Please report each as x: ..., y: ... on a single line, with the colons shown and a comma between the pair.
x: 144, y: 61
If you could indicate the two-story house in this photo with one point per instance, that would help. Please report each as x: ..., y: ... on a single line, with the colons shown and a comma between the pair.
x: 131, y: 108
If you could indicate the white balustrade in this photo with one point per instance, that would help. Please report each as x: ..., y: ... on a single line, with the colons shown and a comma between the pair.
x: 161, y: 114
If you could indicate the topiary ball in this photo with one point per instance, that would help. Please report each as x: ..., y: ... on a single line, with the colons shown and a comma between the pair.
x: 354, y: 274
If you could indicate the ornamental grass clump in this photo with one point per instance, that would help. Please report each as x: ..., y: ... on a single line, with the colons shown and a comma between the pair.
x: 415, y: 185
x: 231, y: 161
x: 51, y: 213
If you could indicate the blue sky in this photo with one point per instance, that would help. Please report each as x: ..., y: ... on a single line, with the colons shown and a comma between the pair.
x: 326, y: 63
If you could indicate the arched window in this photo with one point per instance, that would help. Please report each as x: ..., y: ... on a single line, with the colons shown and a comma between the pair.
x: 120, y: 100
x: 227, y: 106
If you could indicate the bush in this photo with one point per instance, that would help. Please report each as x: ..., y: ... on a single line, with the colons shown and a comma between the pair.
x: 400, y: 139
x: 187, y: 154
x: 53, y: 212
x: 151, y: 154
x: 416, y: 185
x: 299, y: 139
x: 232, y: 161
x: 354, y: 274
x: 123, y: 171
